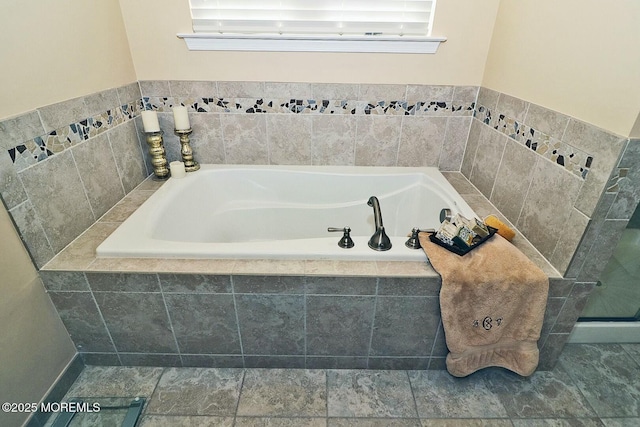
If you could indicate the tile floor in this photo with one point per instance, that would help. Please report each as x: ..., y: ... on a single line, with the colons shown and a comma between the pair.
x: 593, y: 385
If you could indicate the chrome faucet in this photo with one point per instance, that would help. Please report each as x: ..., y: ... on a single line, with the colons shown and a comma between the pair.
x: 379, y: 241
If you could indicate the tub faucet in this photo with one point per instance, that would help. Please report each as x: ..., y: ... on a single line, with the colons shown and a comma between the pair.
x: 379, y: 241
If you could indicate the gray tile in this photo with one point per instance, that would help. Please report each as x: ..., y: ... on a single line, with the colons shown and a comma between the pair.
x: 398, y: 363
x: 467, y: 423
x: 268, y: 284
x: 280, y: 422
x: 206, y: 140
x: 100, y: 359
x: 439, y: 395
x: 193, y: 89
x: 454, y: 144
x: 559, y: 422
x: 372, y: 422
x: 82, y: 319
x: 554, y: 306
x: 55, y: 189
x: 245, y: 139
x: 621, y: 422
x: 421, y: 140
x: 271, y: 324
x: 138, y: 322
x: 546, y: 121
x: 129, y: 93
x: 197, y: 391
x: 64, y: 113
x: 185, y: 421
x: 115, y: 381
x: 123, y: 282
x: 346, y: 362
x: 283, y: 392
x: 569, y: 240
x: 551, y: 350
x: 333, y: 140
x: 382, y: 92
x: 428, y: 93
x: 64, y: 280
x: 528, y: 397
x: 602, y: 249
x: 334, y: 91
x: 573, y: 307
x: 606, y: 376
x: 470, y: 151
x: 18, y: 129
x: 339, y: 326
x: 487, y: 160
x: 128, y: 154
x: 488, y: 98
x: 284, y: 362
x: 632, y: 350
x: 397, y: 334
x: 465, y: 93
x: 377, y: 139
x: 546, y: 209
x: 154, y: 88
x: 198, y: 283
x: 512, y: 107
x: 241, y: 90
x: 100, y: 102
x: 287, y: 90
x: 204, y: 323
x: 461, y: 184
x: 370, y: 394
x: 513, y: 179
x: 31, y: 229
x: 341, y: 285
x: 11, y: 188
x: 289, y: 139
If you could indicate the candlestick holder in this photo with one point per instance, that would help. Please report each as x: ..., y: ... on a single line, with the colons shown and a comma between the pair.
x: 190, y: 165
x: 158, y: 156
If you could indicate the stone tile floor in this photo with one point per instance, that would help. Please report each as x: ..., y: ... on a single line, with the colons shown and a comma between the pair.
x: 593, y: 385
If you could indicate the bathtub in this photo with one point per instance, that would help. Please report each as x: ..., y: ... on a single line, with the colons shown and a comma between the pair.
x: 283, y: 212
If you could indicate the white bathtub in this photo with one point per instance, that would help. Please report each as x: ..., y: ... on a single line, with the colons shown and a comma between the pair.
x: 282, y: 212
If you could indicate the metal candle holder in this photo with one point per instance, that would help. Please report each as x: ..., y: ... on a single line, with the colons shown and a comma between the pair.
x: 158, y: 156
x: 190, y: 165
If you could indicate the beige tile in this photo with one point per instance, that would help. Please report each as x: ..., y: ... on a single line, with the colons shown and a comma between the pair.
x: 406, y: 268
x: 421, y: 141
x: 341, y: 268
x: 334, y: 91
x: 382, y: 92
x: 569, y: 240
x: 206, y: 139
x: 460, y: 183
x: 512, y: 107
x: 454, y: 144
x: 196, y: 89
x: 241, y: 90
x: 547, y: 121
x: 289, y: 138
x: 377, y: 140
x: 245, y: 139
x: 150, y: 184
x: 82, y: 251
x: 429, y: 93
x: 269, y: 266
x: 127, y: 206
x: 333, y: 140
x: 487, y: 159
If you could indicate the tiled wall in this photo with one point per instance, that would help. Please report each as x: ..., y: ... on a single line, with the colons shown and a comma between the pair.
x: 64, y: 165
x: 318, y: 124
x: 268, y: 321
x: 549, y: 174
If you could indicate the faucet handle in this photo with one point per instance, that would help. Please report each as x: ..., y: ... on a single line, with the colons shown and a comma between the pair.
x: 413, y: 242
x: 345, y: 242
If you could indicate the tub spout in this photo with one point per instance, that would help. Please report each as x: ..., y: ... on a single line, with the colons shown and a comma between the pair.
x: 379, y: 241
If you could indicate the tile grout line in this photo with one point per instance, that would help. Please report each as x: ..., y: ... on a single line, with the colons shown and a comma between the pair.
x: 166, y: 308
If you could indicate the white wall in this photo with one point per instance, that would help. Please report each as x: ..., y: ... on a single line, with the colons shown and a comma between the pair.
x: 578, y: 57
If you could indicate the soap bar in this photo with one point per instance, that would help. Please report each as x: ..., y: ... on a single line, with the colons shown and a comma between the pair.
x: 447, y: 232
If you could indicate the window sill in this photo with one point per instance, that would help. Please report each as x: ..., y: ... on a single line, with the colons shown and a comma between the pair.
x: 294, y: 43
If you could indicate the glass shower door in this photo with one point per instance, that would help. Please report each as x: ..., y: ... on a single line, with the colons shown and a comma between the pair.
x: 617, y: 294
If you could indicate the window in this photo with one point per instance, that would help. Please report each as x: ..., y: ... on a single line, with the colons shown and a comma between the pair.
x: 308, y: 25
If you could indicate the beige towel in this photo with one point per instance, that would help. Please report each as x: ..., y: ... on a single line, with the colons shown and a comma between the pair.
x: 492, y: 302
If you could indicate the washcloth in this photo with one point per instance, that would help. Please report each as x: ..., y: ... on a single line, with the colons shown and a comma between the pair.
x: 492, y: 303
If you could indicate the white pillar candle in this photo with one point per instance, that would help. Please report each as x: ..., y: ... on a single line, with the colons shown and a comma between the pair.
x: 181, y: 118
x: 150, y: 121
x: 177, y: 169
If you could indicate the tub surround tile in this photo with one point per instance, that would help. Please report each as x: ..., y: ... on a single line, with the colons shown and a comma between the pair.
x: 32, y: 233
x: 421, y: 141
x: 569, y: 240
x: 195, y: 283
x: 206, y: 140
x: 341, y: 285
x: 338, y: 325
x: 327, y: 91
x: 82, y: 251
x: 20, y: 128
x: 471, y: 148
x: 154, y: 87
x: 602, y: 249
x: 573, y: 307
x: 300, y: 393
x: 333, y: 140
x: 11, y: 188
x: 185, y: 421
x: 211, y: 361
x: 241, y: 89
x: 128, y: 152
x: 369, y: 394
x: 83, y: 320
x: 294, y: 90
x: 340, y: 268
x: 377, y: 92
x: 409, y: 286
x: 64, y: 280
x: 406, y: 269
x: 130, y: 316
x: 454, y: 144
x: 99, y: 174
x: 197, y: 391
x: 61, y: 114
x: 122, y: 282
x: 62, y: 204
x: 245, y: 139
x: 394, y: 334
x: 125, y: 207
x: 145, y: 359
x: 193, y: 88
x: 267, y: 266
x: 289, y: 139
x: 512, y: 107
x: 377, y: 140
x: 491, y: 146
x: 268, y: 284
x: 204, y: 323
x: 547, y: 121
x: 271, y: 324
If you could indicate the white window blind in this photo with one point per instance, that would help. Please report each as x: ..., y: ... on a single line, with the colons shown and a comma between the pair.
x: 303, y: 17
x: 390, y: 26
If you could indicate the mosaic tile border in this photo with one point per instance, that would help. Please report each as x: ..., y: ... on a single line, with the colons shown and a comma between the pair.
x: 570, y: 158
x: 42, y: 147
x: 309, y: 106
